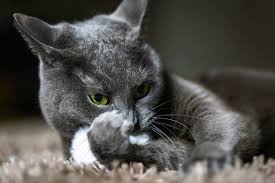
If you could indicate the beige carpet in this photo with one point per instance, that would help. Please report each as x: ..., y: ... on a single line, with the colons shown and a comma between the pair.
x: 30, y: 153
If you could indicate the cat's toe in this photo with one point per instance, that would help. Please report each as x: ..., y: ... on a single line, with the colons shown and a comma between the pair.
x: 113, y: 122
x: 112, y: 119
x: 214, y: 164
x: 98, y: 166
x: 216, y: 158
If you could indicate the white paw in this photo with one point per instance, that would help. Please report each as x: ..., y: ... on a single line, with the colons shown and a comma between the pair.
x: 80, y: 149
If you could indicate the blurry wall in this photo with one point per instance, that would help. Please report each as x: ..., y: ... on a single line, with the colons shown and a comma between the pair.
x: 189, y: 35
x: 195, y: 35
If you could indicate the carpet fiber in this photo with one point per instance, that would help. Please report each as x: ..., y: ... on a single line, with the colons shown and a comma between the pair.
x: 31, y: 153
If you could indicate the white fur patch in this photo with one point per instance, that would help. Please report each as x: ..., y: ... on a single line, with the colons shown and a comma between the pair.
x: 141, y: 140
x: 80, y: 148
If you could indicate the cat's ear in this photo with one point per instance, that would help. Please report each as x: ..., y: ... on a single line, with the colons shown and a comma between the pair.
x: 39, y: 35
x: 131, y: 12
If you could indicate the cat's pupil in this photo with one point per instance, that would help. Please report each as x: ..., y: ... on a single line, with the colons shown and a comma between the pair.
x: 98, y: 97
x: 142, y: 91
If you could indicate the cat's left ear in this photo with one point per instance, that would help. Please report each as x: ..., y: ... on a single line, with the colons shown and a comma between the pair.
x: 131, y: 12
x: 39, y: 35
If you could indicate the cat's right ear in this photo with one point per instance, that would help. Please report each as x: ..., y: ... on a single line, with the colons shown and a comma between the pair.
x: 39, y: 35
x: 131, y: 12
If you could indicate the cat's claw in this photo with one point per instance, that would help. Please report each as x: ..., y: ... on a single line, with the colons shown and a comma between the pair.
x: 98, y: 166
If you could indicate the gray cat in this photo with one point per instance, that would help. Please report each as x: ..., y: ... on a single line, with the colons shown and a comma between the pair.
x: 101, y: 75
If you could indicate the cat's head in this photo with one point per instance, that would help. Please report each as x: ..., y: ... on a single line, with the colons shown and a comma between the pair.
x: 94, y: 66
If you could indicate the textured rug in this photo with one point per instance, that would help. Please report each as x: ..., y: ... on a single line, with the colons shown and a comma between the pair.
x: 30, y: 152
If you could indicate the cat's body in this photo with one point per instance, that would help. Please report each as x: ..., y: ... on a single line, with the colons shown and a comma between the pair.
x: 250, y: 92
x: 100, y: 73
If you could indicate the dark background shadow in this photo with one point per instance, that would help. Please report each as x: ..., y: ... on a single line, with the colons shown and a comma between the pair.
x: 189, y: 35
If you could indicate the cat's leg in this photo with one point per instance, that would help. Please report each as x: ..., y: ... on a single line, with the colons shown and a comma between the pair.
x: 218, y: 131
x: 219, y: 138
x: 164, y: 153
x: 109, y: 141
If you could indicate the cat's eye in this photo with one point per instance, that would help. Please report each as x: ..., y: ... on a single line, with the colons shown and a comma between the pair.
x: 142, y: 91
x: 99, y: 99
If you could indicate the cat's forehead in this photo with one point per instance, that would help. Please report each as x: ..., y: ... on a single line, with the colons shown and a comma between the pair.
x: 102, y: 36
x: 113, y: 81
x: 112, y: 54
x: 117, y: 71
x: 103, y: 29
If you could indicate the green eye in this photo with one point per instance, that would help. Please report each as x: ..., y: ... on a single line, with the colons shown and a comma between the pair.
x: 142, y: 91
x: 99, y: 99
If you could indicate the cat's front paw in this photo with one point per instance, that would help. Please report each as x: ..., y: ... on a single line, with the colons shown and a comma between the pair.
x: 216, y: 158
x: 108, y: 136
x: 80, y: 150
x: 113, y: 121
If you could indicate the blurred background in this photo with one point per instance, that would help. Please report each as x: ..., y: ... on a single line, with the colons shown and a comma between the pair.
x: 189, y: 35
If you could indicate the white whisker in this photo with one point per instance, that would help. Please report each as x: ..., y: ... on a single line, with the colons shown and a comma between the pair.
x: 177, y: 122
x: 168, y: 138
x: 161, y: 104
x: 184, y: 115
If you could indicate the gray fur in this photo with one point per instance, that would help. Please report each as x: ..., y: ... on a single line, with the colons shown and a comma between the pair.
x: 106, y: 55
